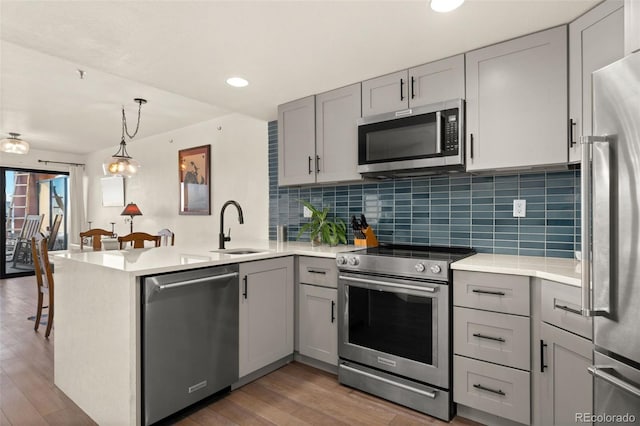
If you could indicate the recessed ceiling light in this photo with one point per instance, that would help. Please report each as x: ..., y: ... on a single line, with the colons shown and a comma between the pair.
x: 237, y: 82
x: 445, y: 5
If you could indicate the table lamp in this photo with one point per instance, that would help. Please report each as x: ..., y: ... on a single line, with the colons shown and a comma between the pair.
x: 131, y: 210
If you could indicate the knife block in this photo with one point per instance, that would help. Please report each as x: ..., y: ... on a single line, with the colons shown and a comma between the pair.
x: 370, y: 239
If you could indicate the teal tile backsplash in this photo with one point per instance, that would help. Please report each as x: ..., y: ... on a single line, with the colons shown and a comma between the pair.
x: 456, y: 209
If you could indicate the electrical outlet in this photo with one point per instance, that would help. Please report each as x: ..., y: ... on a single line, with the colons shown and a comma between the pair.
x: 519, y: 208
x: 306, y: 212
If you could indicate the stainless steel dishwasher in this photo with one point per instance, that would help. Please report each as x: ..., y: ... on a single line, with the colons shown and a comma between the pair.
x: 189, y: 338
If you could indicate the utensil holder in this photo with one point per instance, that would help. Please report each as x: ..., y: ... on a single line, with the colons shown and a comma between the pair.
x: 369, y: 240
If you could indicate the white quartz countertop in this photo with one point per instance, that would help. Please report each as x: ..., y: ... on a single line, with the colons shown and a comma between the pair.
x: 565, y: 271
x: 181, y: 257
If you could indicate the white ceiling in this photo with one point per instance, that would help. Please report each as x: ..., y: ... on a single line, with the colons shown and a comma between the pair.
x: 178, y: 54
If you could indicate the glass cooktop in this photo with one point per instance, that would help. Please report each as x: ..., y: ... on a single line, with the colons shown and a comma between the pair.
x: 450, y: 254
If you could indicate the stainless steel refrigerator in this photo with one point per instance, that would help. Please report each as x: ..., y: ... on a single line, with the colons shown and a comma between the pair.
x: 611, y: 240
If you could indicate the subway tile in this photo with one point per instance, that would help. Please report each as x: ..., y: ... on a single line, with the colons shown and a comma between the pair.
x: 459, y: 209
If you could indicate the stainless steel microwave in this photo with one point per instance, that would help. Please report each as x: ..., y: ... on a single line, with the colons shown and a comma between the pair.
x: 413, y: 142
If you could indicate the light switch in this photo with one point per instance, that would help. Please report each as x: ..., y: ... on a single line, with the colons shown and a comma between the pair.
x: 519, y: 208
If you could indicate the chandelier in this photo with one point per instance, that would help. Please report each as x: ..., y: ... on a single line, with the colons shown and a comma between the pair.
x: 121, y: 163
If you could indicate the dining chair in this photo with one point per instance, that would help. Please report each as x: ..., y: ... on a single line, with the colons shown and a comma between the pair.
x: 30, y: 228
x: 96, y: 235
x: 44, y: 279
x: 138, y: 239
x: 167, y: 236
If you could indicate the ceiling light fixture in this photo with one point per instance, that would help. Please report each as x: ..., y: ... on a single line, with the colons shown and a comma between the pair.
x: 443, y: 6
x: 121, y: 163
x: 237, y: 82
x: 14, y: 145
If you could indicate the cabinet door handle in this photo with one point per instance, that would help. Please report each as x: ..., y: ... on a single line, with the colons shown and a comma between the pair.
x: 493, y: 293
x: 245, y: 292
x: 498, y: 392
x: 571, y: 125
x: 333, y: 309
x: 471, y: 146
x: 401, y: 89
x: 482, y: 336
x: 310, y: 171
x: 317, y: 164
x: 542, y: 364
x: 316, y: 271
x: 568, y: 309
x: 413, y: 93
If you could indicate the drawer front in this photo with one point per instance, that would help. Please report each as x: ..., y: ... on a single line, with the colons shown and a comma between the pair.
x: 498, y: 390
x: 561, y: 307
x: 318, y: 271
x: 492, y: 292
x: 494, y: 337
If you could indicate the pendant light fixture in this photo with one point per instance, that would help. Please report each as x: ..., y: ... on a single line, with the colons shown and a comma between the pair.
x: 121, y: 163
x: 14, y: 145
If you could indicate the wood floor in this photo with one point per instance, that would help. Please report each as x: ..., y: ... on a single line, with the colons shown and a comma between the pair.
x: 294, y: 395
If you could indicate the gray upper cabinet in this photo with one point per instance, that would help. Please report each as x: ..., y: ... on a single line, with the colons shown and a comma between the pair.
x: 631, y: 26
x: 385, y: 94
x: 318, y: 138
x: 520, y: 88
x: 423, y: 85
x: 296, y: 142
x: 337, y: 113
x: 596, y: 39
x: 437, y: 81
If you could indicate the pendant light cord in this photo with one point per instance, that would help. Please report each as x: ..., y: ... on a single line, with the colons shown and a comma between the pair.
x: 125, y: 129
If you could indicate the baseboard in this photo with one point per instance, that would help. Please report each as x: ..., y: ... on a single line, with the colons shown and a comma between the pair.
x: 262, y: 372
x: 484, y: 417
x: 321, y: 365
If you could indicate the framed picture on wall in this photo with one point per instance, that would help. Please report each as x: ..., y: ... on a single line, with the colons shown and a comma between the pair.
x: 194, y: 172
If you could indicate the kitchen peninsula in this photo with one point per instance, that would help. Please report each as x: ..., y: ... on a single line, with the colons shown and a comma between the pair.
x: 97, y: 345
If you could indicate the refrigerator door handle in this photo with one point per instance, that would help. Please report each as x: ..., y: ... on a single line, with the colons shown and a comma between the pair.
x: 599, y: 372
x: 596, y: 160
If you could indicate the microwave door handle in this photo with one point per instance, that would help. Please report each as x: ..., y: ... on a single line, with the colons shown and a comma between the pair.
x: 438, y: 132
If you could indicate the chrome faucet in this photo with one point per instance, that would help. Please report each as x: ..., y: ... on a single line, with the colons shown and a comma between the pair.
x: 222, y: 238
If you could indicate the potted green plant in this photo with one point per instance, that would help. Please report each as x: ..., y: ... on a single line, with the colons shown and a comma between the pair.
x: 321, y: 229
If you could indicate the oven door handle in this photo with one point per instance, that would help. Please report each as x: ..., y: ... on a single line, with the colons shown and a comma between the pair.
x: 388, y: 284
x: 428, y: 394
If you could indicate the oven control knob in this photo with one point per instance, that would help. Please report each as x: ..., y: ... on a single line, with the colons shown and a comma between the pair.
x: 419, y: 267
x: 353, y: 261
x: 435, y: 269
x: 341, y: 260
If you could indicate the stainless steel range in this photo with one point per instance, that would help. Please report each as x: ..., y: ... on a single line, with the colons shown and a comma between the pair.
x: 394, y: 336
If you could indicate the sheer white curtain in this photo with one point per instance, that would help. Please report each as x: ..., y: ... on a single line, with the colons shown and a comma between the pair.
x: 76, y: 203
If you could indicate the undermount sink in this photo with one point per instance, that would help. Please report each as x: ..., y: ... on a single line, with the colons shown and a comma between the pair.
x: 239, y: 251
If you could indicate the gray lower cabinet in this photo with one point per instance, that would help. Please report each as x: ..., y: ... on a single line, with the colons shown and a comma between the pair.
x: 517, y: 102
x: 296, y: 142
x: 596, y: 39
x: 318, y: 323
x: 566, y: 350
x: 631, y: 26
x: 266, y: 313
x: 318, y: 309
x: 492, y: 344
x: 566, y: 386
x: 422, y: 85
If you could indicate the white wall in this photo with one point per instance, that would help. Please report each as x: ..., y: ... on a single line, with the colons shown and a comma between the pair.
x: 239, y: 171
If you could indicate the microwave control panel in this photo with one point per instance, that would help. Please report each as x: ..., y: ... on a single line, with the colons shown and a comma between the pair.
x: 450, y: 126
